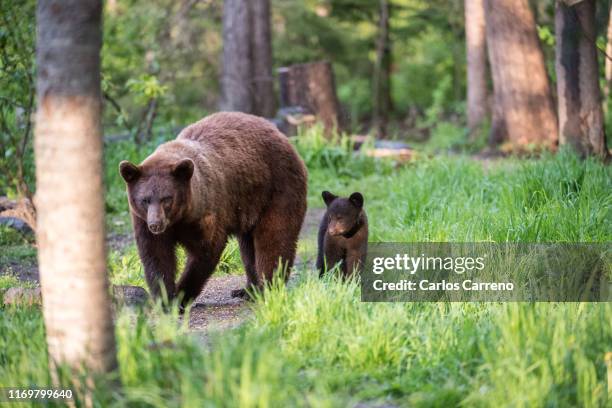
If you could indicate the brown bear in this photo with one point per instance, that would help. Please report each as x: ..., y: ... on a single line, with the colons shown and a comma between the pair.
x: 230, y: 174
x: 343, y: 234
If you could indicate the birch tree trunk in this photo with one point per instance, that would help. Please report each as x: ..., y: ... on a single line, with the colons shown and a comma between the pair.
x: 236, y: 92
x: 264, y: 100
x: 476, y: 51
x: 69, y: 194
x: 581, y: 122
x: 524, y: 111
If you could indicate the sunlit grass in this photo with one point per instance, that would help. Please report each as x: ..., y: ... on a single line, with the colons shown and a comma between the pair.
x: 316, y: 344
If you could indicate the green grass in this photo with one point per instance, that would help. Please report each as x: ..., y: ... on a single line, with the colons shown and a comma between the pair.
x: 124, y: 266
x: 317, y: 344
x: 15, y: 247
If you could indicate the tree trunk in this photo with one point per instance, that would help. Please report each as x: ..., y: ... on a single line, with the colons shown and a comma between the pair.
x: 264, y: 100
x: 608, y: 64
x: 382, y: 73
x: 236, y: 92
x: 524, y: 108
x: 581, y: 122
x: 69, y: 195
x: 312, y: 86
x: 476, y: 50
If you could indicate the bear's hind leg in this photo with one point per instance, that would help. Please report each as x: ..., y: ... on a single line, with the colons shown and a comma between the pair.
x: 247, y: 253
x: 276, y: 237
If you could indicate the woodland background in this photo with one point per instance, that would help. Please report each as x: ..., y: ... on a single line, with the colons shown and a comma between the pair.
x: 400, y: 67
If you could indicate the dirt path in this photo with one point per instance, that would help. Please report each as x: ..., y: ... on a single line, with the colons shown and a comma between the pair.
x: 215, y: 308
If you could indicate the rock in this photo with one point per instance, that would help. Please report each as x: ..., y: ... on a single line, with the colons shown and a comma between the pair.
x: 22, y: 296
x: 127, y: 295
x: 17, y: 224
x: 288, y: 118
x: 7, y: 204
x: 391, y: 144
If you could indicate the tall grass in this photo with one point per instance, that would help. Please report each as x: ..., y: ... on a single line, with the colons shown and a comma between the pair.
x: 316, y: 344
x: 555, y: 199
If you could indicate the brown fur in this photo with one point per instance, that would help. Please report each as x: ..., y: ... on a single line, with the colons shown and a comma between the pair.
x: 247, y: 181
x: 343, y: 234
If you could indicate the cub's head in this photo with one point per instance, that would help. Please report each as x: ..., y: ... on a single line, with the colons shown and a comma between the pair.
x: 344, y: 213
x: 159, y: 193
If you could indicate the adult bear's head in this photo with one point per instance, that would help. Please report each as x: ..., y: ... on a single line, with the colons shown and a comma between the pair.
x: 158, y: 192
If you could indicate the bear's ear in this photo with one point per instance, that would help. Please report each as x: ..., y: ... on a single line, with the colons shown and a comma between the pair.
x: 183, y: 170
x: 129, y: 171
x: 328, y: 197
x: 357, y: 199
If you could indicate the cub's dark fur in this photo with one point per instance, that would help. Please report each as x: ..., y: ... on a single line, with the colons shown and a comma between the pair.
x: 343, y: 234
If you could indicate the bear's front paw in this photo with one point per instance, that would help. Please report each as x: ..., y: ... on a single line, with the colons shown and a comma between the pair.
x: 244, y: 293
x: 239, y: 293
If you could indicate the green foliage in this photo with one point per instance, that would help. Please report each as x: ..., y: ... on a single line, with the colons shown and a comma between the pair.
x: 16, y: 95
x: 333, y: 163
x: 15, y: 247
x: 145, y: 88
x: 125, y: 268
x: 546, y: 35
x: 10, y: 236
x: 8, y: 281
x: 427, y: 77
x: 161, y: 49
x: 426, y: 41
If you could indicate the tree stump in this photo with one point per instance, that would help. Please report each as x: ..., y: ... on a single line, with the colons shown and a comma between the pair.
x: 312, y: 87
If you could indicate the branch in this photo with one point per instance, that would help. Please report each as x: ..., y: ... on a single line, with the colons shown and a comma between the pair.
x: 117, y: 108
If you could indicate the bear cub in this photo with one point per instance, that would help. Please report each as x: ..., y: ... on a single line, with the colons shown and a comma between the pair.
x: 343, y: 234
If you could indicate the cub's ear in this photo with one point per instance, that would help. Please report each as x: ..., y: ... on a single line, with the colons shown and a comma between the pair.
x: 183, y: 170
x: 129, y: 171
x: 328, y: 197
x: 357, y: 199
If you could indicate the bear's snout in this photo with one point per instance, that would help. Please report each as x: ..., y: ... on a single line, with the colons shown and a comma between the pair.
x: 157, y: 227
x: 335, y: 230
x: 156, y: 220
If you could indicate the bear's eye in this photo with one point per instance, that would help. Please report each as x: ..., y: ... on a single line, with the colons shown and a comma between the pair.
x: 166, y: 200
x: 145, y: 201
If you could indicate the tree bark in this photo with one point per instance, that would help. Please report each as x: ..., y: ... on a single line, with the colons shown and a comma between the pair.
x: 608, y: 64
x: 69, y: 195
x: 523, y: 103
x: 581, y: 123
x: 476, y: 51
x: 312, y: 86
x: 264, y: 100
x: 236, y: 92
x: 382, y: 73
